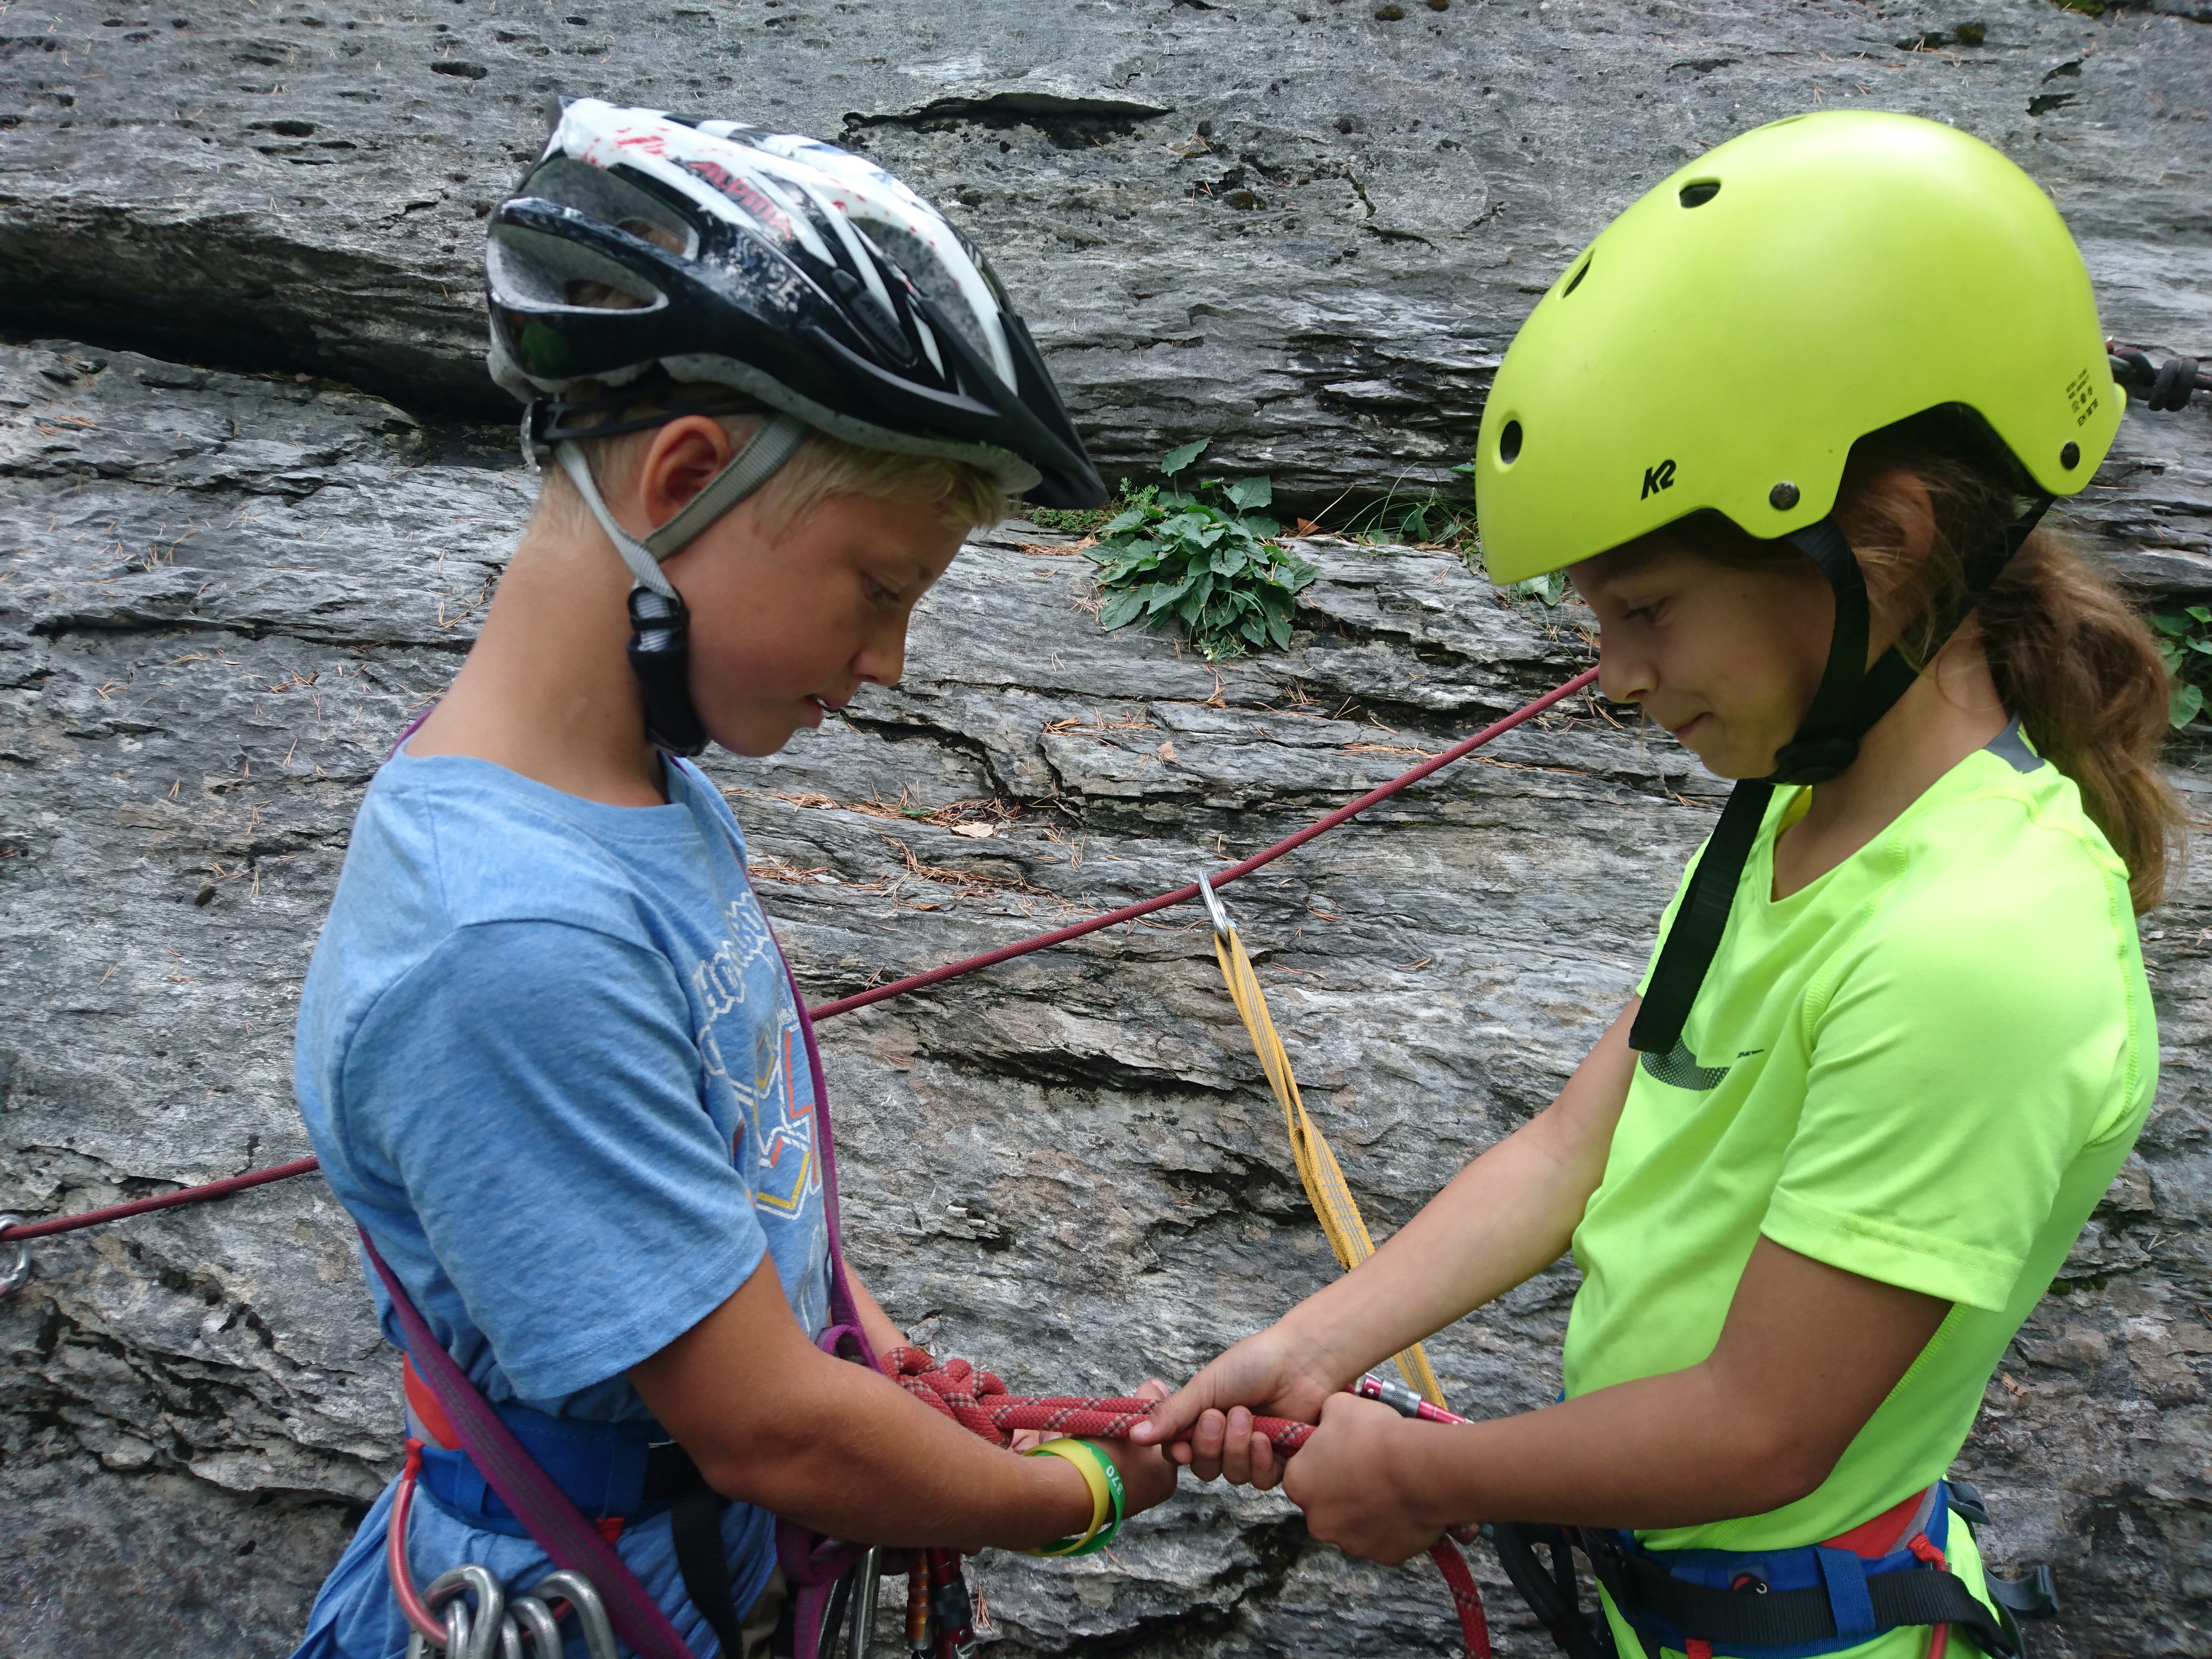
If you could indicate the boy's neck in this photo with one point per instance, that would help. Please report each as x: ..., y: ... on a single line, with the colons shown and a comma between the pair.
x: 547, y: 690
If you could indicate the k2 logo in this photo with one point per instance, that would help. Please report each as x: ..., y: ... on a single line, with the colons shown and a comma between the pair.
x: 1656, y: 478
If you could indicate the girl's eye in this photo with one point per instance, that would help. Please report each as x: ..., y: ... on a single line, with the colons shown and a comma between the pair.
x: 879, y: 594
x: 1648, y: 612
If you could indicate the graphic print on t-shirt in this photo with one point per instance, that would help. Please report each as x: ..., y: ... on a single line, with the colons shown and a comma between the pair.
x: 766, y: 1086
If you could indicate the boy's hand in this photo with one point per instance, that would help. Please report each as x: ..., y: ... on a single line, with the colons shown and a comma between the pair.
x: 1342, y: 1478
x: 1268, y: 1373
x: 1148, y: 1475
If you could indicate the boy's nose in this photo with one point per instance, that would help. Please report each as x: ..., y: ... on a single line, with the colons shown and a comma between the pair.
x: 883, y: 659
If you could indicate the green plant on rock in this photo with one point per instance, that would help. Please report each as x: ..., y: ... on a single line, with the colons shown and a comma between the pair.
x: 2185, y: 639
x: 1421, y: 518
x: 1202, y: 558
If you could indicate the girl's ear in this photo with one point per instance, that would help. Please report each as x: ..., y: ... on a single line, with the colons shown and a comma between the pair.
x: 1900, y: 497
x: 1892, y: 527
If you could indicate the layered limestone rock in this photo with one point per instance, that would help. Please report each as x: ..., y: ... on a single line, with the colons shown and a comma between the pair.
x: 1306, y: 230
x: 224, y: 596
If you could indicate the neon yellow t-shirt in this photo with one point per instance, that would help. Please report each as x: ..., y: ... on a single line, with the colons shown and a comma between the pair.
x: 1925, y: 1067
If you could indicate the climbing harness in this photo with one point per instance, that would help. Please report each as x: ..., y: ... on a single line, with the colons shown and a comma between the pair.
x: 1888, y: 1573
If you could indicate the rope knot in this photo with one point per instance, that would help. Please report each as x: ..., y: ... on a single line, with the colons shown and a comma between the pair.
x: 955, y: 1388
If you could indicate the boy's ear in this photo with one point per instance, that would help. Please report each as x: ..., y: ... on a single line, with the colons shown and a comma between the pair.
x: 682, y: 458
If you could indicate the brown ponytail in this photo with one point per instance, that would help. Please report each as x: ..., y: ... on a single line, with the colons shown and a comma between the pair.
x: 2069, y: 656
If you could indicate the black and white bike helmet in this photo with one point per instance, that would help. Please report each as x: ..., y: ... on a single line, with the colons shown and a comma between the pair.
x: 644, y: 247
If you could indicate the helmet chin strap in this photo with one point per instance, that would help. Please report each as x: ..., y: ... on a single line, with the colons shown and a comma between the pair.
x: 659, y: 644
x: 1852, y: 697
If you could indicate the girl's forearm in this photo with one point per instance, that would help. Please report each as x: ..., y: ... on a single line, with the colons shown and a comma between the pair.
x: 1809, y: 1352
x: 1501, y: 1220
x: 1661, y: 1452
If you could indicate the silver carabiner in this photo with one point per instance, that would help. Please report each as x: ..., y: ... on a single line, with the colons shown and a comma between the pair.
x: 536, y: 1622
x: 861, y: 1637
x: 1223, y: 927
x: 458, y: 1631
x: 13, y: 1275
x: 478, y: 1636
x: 578, y: 1591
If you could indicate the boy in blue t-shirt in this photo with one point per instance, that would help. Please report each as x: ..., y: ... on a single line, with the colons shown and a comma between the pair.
x: 549, y: 1051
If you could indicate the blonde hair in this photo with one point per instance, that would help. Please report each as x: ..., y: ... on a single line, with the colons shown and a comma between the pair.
x: 822, y: 466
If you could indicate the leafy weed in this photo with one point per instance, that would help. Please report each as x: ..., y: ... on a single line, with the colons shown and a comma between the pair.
x: 1202, y: 558
x: 2185, y: 639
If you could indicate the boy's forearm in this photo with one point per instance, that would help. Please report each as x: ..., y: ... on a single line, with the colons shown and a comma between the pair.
x: 771, y: 1420
x: 856, y: 1456
x: 883, y: 1335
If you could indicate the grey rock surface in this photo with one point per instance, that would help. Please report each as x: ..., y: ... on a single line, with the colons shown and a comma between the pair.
x: 221, y: 597
x: 1301, y: 228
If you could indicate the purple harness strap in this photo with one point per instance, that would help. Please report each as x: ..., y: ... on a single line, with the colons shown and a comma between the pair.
x: 558, y: 1527
x: 812, y: 1563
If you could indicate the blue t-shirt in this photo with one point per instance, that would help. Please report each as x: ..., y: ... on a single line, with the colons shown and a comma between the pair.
x: 548, y: 1055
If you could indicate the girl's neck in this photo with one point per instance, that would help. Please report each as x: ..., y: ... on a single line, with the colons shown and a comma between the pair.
x: 1944, y: 716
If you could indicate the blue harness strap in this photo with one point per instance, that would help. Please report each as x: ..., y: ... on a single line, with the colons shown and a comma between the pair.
x: 610, y: 1471
x: 1797, y: 1603
x: 1890, y: 1573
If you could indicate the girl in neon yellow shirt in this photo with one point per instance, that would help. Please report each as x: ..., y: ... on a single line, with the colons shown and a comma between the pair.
x: 1791, y: 422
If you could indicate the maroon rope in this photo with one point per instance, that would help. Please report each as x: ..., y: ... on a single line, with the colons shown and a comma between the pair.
x: 1465, y: 746
x: 1320, y: 826
x: 223, y: 1188
x: 979, y: 1403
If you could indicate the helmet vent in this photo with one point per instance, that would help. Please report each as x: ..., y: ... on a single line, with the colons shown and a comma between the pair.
x: 1698, y: 191
x: 1509, y: 444
x: 613, y: 200
x: 1576, y: 280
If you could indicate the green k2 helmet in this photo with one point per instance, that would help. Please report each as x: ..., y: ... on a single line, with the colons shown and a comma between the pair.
x: 1726, y: 340
x: 1722, y: 346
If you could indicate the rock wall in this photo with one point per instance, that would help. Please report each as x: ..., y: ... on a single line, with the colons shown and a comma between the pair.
x: 221, y: 595
x: 1305, y: 229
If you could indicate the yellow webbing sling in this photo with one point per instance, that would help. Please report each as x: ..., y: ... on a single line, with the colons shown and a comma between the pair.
x: 1318, y: 1166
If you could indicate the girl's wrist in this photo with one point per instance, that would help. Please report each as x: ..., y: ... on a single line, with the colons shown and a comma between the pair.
x: 1419, y: 1479
x: 1311, y: 1354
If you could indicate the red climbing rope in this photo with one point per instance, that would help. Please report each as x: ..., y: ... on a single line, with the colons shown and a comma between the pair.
x: 229, y: 1184
x: 24, y: 1232
x: 979, y: 1402
x: 1320, y: 826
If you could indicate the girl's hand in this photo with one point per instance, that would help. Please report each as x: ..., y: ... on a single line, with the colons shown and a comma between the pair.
x: 1268, y: 1373
x: 1342, y: 1479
